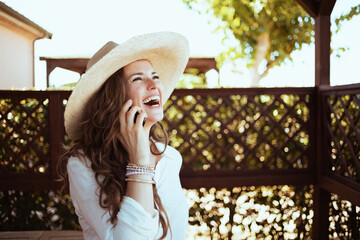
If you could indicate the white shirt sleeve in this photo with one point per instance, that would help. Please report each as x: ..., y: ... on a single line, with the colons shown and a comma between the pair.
x: 134, y: 222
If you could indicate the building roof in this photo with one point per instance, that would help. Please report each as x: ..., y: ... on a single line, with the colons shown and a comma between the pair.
x: 12, y: 18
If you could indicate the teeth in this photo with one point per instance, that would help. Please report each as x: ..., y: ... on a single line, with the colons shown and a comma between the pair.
x: 151, y: 98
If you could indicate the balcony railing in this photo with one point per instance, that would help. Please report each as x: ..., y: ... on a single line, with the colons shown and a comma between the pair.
x: 228, y: 138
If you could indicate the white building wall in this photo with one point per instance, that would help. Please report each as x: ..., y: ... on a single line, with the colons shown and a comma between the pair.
x: 16, y: 60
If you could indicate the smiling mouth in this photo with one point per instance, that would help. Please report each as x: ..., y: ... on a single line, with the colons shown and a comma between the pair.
x: 152, y: 101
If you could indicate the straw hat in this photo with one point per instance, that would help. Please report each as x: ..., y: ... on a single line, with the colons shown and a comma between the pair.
x: 168, y: 53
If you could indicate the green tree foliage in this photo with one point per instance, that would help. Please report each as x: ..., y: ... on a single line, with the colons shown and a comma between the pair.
x: 266, y: 32
x: 354, y: 11
x: 192, y: 80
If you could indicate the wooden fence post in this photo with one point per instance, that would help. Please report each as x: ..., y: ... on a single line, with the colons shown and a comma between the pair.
x: 321, y: 197
x: 322, y: 77
x: 56, y: 133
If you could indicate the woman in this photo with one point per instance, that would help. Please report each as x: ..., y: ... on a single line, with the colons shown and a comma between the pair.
x: 123, y: 178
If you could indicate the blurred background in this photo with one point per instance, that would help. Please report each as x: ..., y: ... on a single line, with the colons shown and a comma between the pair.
x: 223, y: 125
x: 81, y: 27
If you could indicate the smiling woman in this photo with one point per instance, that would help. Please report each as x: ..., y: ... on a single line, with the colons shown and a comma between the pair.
x: 123, y: 177
x: 145, y: 89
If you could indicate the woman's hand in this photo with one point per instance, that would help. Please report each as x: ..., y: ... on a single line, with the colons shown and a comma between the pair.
x: 136, y: 141
x: 132, y: 135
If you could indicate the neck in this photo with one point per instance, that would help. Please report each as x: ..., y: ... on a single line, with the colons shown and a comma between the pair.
x: 147, y: 128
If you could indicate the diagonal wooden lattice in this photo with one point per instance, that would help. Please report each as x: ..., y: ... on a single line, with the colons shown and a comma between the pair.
x: 343, y: 125
x: 228, y: 138
x: 238, y: 132
x: 24, y: 131
x: 219, y: 132
x: 31, y: 137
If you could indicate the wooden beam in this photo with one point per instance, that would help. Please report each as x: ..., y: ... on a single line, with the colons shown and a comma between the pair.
x: 310, y: 6
x: 256, y: 179
x: 19, y: 182
x: 321, y: 197
x: 73, y: 64
x: 326, y: 7
x: 320, y: 225
x: 202, y: 64
x: 317, y: 7
x: 322, y: 50
x: 79, y: 65
x: 343, y: 190
x: 57, y: 132
x: 43, y: 235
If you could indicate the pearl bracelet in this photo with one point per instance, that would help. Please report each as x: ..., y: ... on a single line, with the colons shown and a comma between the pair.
x: 130, y: 172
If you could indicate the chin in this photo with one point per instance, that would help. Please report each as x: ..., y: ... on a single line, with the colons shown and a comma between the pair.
x: 155, y: 119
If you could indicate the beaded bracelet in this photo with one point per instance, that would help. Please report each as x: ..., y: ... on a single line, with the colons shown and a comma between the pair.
x: 135, y: 169
x: 149, y: 166
x: 139, y: 169
x: 129, y: 168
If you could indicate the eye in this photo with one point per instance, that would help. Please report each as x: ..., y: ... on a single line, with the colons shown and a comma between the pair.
x: 156, y: 77
x: 137, y: 79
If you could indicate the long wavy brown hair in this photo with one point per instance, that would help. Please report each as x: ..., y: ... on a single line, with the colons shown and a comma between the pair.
x: 99, y: 142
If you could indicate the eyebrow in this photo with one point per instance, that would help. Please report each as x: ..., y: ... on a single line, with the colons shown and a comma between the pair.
x: 140, y: 73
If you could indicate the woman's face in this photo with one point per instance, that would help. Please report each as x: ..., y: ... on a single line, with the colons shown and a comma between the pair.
x: 144, y: 88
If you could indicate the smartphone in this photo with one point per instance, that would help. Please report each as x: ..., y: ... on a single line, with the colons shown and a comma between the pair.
x: 137, y: 114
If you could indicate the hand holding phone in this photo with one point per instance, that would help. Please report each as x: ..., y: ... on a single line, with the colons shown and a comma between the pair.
x: 137, y: 114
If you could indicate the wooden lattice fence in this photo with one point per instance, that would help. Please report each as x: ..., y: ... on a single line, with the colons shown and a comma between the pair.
x: 307, y: 138
x: 243, y: 137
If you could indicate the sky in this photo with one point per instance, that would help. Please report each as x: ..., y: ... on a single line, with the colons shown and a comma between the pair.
x: 81, y: 27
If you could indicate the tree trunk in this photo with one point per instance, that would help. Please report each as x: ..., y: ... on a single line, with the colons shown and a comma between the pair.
x: 262, y: 47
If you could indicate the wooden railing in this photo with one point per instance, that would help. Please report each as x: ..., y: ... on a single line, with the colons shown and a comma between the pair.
x: 227, y: 137
x: 341, y: 121
x: 244, y: 137
x: 338, y: 168
x: 32, y: 134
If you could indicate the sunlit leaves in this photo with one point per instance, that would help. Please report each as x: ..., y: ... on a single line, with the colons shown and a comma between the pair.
x: 344, y: 219
x: 354, y: 11
x: 24, y: 130
x: 278, y: 212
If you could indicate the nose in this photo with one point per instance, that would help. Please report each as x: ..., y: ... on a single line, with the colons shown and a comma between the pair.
x: 151, y: 83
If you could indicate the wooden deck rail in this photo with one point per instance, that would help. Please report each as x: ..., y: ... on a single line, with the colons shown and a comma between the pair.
x: 42, y: 235
x: 228, y: 138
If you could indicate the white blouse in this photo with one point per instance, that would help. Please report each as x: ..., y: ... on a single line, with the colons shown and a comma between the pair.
x: 134, y: 222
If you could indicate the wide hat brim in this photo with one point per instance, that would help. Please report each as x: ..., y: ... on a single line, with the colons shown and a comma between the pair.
x: 168, y: 53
